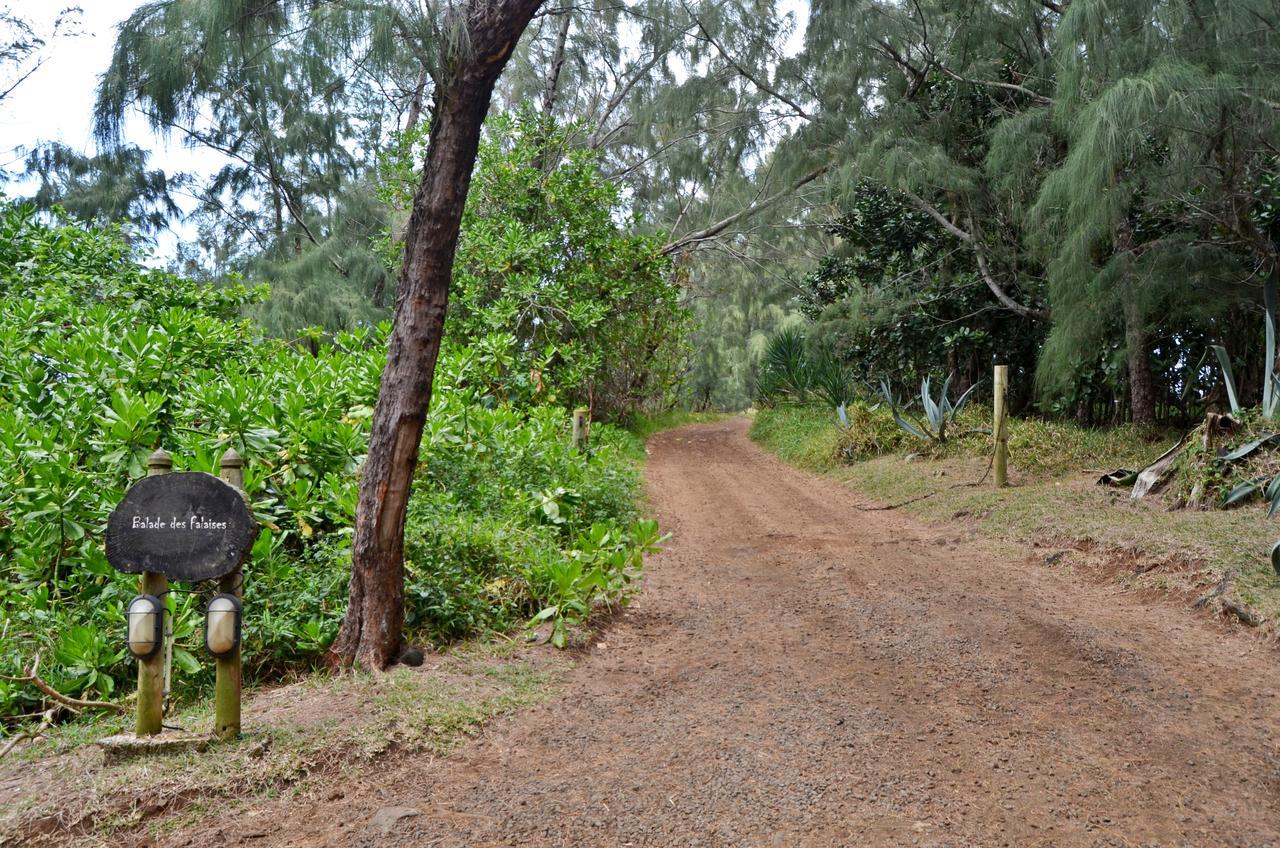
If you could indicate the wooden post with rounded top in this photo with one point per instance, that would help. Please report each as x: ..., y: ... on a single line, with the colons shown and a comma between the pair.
x: 151, y: 670
x: 581, y: 427
x: 226, y: 704
x: 1000, y: 427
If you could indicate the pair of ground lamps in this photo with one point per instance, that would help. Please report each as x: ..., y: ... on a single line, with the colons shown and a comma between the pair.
x: 222, y: 616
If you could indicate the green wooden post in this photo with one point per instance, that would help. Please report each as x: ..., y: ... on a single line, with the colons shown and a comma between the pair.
x: 1000, y: 427
x: 151, y: 670
x: 226, y: 705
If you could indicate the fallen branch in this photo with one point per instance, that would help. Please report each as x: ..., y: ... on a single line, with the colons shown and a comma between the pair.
x: 73, y: 704
x: 919, y: 498
x: 28, y: 734
x: 1228, y: 603
x: 13, y: 743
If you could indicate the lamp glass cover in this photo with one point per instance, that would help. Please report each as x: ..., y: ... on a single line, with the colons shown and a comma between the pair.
x: 142, y: 626
x: 220, y: 626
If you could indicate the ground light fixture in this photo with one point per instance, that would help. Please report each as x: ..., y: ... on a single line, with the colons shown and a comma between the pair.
x: 146, y: 626
x: 222, y: 625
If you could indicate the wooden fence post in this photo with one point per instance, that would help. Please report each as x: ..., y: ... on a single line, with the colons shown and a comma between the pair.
x: 151, y: 670
x: 226, y: 703
x: 581, y: 427
x: 1000, y: 427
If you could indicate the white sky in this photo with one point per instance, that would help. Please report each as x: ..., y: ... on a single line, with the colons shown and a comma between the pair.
x: 56, y: 102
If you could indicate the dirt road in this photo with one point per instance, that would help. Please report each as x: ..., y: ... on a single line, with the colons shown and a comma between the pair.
x: 798, y: 672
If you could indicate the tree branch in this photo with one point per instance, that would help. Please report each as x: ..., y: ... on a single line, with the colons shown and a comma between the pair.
x: 932, y: 211
x: 746, y: 73
x: 66, y: 700
x: 725, y: 223
x: 996, y: 289
x: 1039, y: 98
x: 552, y: 86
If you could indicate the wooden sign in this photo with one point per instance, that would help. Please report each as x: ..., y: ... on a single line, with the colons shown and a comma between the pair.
x: 186, y: 526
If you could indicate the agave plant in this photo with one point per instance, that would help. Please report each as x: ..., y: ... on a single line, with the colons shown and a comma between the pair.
x: 1271, y: 385
x: 938, y: 415
x: 1269, y: 485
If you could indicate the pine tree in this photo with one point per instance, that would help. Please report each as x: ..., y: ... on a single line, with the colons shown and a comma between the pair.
x: 114, y: 186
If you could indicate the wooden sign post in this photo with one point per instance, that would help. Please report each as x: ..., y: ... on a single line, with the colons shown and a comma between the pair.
x: 1000, y: 427
x: 184, y: 526
x: 226, y: 698
x: 151, y: 670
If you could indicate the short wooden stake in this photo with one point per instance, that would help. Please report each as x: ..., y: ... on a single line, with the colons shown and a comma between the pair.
x: 1000, y: 427
x: 229, y: 681
x: 581, y: 427
x: 151, y: 670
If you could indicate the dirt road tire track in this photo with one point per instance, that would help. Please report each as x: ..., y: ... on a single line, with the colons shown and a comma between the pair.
x: 798, y: 672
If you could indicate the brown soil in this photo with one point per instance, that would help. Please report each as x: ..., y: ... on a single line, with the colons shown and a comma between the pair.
x: 798, y: 672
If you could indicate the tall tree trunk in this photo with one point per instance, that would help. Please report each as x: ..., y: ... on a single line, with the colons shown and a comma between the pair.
x: 415, y: 102
x: 371, y: 628
x: 1142, y: 391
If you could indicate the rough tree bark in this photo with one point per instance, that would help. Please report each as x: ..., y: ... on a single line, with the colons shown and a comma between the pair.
x: 1142, y: 390
x: 371, y: 630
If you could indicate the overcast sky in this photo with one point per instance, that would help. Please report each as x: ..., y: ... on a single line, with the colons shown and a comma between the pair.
x: 56, y: 103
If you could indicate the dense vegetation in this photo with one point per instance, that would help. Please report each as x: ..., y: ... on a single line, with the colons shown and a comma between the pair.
x: 102, y: 361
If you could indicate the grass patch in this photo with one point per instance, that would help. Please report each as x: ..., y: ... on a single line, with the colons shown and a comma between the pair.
x: 318, y: 726
x: 1054, y: 500
x: 805, y: 436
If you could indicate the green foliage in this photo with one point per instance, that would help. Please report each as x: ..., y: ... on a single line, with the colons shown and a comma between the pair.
x: 792, y: 369
x: 895, y: 285
x: 111, y: 187
x: 868, y: 430
x: 806, y: 436
x: 784, y: 372
x: 588, y: 312
x: 1270, y: 377
x: 292, y: 100
x: 101, y: 362
x: 598, y: 572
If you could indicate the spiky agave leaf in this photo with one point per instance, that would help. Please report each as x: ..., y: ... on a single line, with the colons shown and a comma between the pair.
x: 1242, y: 491
x: 932, y: 412
x: 1249, y: 447
x: 910, y: 427
x: 1272, y: 494
x: 1228, y: 378
x: 964, y: 399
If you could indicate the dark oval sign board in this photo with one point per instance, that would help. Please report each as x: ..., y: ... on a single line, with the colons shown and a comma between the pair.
x: 187, y: 526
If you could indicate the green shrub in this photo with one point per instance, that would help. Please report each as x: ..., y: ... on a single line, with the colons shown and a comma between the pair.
x: 871, y: 431
x: 102, y: 361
